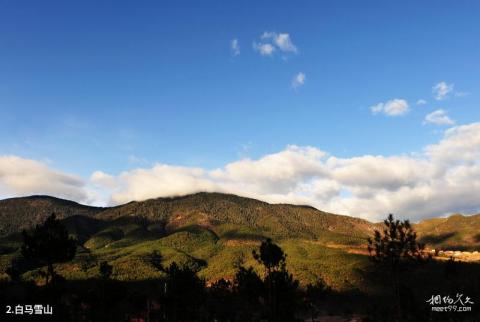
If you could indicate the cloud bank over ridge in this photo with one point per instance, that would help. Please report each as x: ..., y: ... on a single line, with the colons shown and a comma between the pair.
x: 441, y: 179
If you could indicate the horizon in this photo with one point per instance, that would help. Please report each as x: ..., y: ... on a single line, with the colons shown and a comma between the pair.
x: 240, y: 196
x: 360, y: 110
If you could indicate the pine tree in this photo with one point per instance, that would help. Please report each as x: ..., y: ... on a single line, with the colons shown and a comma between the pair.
x: 393, y: 250
x: 49, y: 243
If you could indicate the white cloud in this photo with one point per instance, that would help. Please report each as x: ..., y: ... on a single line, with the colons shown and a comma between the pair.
x: 21, y: 177
x: 281, y: 40
x: 421, y: 102
x: 160, y: 180
x: 272, y: 41
x: 459, y: 144
x: 438, y: 117
x: 298, y: 80
x: 264, y: 49
x: 275, y: 172
x: 442, y: 178
x: 235, y: 47
x: 391, y: 173
x: 103, y: 179
x: 394, y: 107
x: 441, y: 90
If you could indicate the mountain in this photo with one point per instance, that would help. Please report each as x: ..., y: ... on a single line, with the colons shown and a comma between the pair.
x: 457, y: 232
x: 17, y: 214
x: 213, y: 231
x: 225, y: 212
x: 217, y: 209
x: 203, y: 209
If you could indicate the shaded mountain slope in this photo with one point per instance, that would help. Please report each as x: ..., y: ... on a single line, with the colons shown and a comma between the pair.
x: 25, y: 212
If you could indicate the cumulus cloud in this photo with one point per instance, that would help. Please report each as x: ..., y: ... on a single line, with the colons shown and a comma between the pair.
x: 275, y: 173
x: 22, y: 177
x: 438, y: 117
x: 298, y: 80
x: 440, y: 179
x: 272, y: 41
x: 442, y: 90
x: 421, y: 102
x: 460, y: 145
x: 391, y: 173
x: 264, y: 49
x: 103, y: 179
x: 281, y: 40
x: 235, y: 47
x: 160, y: 180
x: 394, y: 107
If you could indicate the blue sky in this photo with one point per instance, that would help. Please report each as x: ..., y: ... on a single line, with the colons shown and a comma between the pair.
x: 114, y: 86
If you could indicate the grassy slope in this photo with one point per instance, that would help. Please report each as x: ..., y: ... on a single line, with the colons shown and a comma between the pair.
x: 307, y: 261
x: 221, y: 230
x: 211, y: 209
x: 217, y: 228
x: 456, y: 232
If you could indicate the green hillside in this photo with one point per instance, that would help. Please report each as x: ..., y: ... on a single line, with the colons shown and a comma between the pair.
x: 456, y: 232
x: 215, y: 209
x: 212, y: 231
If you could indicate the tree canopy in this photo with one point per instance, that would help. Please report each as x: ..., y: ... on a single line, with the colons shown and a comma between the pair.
x: 49, y: 243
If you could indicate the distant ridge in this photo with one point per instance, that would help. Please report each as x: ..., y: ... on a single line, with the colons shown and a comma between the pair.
x: 212, y: 208
x: 457, y: 232
x: 282, y: 219
x: 213, y: 231
x: 25, y: 212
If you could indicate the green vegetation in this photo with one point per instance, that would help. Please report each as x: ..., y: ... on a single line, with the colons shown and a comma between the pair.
x: 49, y: 244
x: 192, y: 267
x: 280, y: 287
x: 216, y: 229
x: 17, y: 214
x: 456, y: 232
x: 394, y: 251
